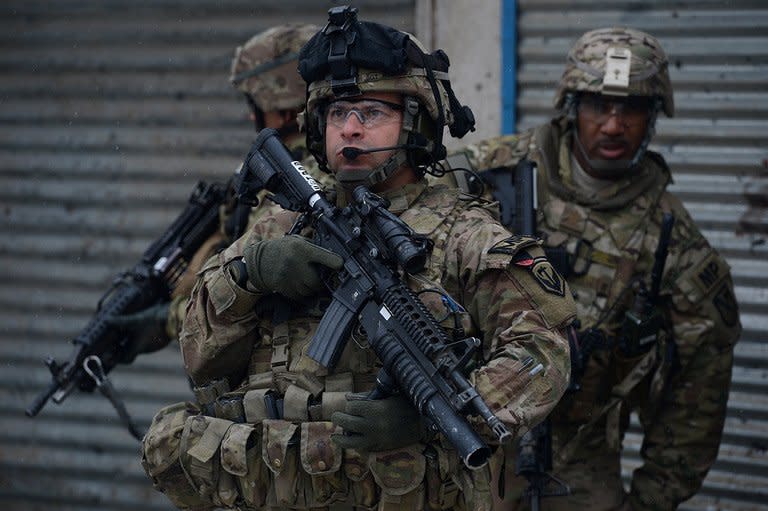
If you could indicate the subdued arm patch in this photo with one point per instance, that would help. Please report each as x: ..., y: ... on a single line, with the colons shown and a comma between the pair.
x: 709, y: 273
x: 512, y: 245
x: 539, y: 267
x: 542, y: 272
x: 708, y: 282
x: 705, y: 279
x: 543, y: 286
x: 725, y: 303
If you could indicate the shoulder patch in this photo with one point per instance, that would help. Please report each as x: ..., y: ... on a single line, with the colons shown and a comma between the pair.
x: 708, y: 284
x: 725, y: 303
x: 547, y: 277
x: 512, y: 245
x: 523, y: 259
x: 710, y: 273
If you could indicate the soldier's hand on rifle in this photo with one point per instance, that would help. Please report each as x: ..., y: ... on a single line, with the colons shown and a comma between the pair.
x: 145, y: 330
x: 378, y: 424
x: 288, y: 266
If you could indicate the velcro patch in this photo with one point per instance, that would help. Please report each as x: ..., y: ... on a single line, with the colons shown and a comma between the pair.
x: 510, y: 246
x: 547, y: 277
x: 523, y: 259
x: 725, y: 303
x: 710, y: 273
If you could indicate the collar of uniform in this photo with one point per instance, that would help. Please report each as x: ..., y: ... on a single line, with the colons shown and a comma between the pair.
x: 403, y: 198
x: 587, y: 183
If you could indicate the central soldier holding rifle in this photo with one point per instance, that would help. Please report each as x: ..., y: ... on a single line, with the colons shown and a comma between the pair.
x: 376, y: 355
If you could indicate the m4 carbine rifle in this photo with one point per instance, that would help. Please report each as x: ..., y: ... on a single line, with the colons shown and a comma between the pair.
x: 418, y: 357
x: 100, y: 346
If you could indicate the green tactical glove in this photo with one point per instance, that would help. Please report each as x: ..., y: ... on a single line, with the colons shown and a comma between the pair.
x: 288, y: 266
x: 378, y: 424
x: 145, y: 330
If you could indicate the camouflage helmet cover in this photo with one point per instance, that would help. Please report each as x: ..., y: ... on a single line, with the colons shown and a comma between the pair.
x: 349, y: 58
x: 412, y: 82
x: 648, y: 71
x: 265, y: 67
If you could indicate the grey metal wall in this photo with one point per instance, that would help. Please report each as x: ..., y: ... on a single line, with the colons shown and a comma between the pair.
x: 110, y: 111
x: 717, y: 146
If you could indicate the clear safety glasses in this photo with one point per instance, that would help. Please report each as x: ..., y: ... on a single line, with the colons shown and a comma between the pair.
x: 371, y: 113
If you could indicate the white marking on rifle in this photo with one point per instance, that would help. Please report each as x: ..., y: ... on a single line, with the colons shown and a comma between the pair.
x: 160, y: 264
x: 309, y: 179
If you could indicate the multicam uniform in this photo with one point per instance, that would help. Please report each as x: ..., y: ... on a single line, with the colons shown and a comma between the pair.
x: 264, y: 70
x: 680, y: 387
x: 243, y: 458
x: 221, y: 239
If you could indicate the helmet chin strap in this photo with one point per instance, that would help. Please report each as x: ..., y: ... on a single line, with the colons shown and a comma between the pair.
x: 350, y: 180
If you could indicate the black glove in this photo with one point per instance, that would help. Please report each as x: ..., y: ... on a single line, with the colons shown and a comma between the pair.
x: 288, y: 266
x: 379, y: 424
x: 145, y: 330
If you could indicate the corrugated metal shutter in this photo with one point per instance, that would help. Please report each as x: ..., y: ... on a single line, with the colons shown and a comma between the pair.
x: 716, y: 146
x: 110, y: 111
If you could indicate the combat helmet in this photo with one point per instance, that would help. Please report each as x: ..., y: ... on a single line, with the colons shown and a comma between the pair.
x: 635, y: 61
x: 348, y: 58
x: 617, y: 62
x: 264, y: 68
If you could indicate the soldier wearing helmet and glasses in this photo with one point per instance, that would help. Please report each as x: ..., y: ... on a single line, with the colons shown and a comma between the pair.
x: 656, y: 313
x: 264, y: 70
x: 279, y: 431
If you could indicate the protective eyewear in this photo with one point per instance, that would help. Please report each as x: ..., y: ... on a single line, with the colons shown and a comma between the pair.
x: 371, y: 113
x: 630, y: 111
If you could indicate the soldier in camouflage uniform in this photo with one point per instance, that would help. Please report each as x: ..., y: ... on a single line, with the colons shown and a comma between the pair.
x: 256, y: 305
x: 264, y: 70
x: 601, y: 197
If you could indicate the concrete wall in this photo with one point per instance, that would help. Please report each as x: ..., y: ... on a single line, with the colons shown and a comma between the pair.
x: 470, y: 33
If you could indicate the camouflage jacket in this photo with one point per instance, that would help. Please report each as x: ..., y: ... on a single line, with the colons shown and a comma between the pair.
x: 679, y: 388
x: 232, y: 333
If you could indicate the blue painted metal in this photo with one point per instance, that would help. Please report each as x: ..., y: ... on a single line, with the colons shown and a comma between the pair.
x: 508, y: 66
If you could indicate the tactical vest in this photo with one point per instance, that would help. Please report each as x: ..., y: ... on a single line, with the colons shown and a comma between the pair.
x: 598, y: 249
x: 603, y: 263
x: 281, y: 413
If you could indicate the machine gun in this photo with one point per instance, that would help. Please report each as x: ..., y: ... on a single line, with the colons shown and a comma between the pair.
x: 418, y: 357
x: 100, y: 346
